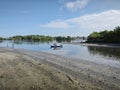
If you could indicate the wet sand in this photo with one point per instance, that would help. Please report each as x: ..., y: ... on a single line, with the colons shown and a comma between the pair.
x: 29, y: 70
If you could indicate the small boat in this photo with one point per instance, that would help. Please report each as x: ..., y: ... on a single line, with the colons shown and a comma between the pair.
x: 55, y: 46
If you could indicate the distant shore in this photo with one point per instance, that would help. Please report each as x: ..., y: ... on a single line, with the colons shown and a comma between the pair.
x: 30, y: 70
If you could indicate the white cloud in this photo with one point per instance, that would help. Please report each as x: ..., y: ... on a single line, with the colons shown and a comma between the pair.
x: 56, y: 24
x: 78, y: 4
x: 89, y: 23
x: 105, y: 20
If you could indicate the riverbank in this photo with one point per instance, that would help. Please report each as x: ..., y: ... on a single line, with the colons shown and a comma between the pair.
x: 112, y: 45
x: 29, y: 70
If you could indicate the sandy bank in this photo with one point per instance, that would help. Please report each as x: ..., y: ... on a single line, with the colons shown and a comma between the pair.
x: 29, y: 70
x: 101, y: 45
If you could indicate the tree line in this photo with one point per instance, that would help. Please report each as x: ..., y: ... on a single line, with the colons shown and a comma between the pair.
x: 112, y: 36
x: 31, y: 38
x: 63, y: 39
x: 1, y: 38
x: 38, y: 38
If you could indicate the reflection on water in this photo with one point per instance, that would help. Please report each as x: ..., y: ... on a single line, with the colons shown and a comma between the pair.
x: 1, y: 41
x: 105, y: 51
x: 29, y: 42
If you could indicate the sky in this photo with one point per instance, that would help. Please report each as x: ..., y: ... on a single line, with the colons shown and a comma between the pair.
x: 58, y: 17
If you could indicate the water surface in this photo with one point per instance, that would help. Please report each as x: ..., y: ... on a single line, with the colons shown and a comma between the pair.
x: 100, y: 55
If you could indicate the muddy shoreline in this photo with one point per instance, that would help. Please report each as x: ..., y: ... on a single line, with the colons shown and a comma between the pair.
x: 29, y: 70
x: 101, y: 45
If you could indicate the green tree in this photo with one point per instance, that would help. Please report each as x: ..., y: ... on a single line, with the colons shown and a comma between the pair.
x: 94, y: 37
x: 68, y: 39
x: 105, y: 36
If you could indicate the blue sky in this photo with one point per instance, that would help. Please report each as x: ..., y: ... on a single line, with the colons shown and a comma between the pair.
x: 57, y: 17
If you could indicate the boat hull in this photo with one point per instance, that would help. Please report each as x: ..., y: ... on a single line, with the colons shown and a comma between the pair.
x: 54, y: 46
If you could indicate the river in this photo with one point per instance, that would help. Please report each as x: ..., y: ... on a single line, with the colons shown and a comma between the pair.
x: 101, y: 55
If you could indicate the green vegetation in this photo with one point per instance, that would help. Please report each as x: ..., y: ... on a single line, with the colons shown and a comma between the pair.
x: 40, y: 38
x: 106, y: 36
x: 37, y: 38
x: 63, y: 39
x: 1, y: 39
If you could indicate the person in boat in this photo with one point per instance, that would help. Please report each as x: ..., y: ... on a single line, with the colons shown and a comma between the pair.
x: 54, y: 44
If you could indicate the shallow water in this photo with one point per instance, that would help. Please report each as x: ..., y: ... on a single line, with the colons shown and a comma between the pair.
x: 100, y: 55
